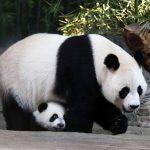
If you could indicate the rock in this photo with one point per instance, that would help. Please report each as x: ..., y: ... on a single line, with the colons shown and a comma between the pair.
x: 143, y: 112
x: 15, y: 140
x: 145, y: 109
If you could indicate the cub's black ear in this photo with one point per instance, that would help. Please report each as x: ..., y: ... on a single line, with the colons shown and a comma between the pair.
x: 111, y: 61
x: 138, y: 57
x: 64, y: 104
x: 42, y: 107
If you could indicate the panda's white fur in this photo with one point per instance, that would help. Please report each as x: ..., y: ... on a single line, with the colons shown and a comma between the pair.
x: 28, y: 68
x: 43, y: 118
x: 31, y: 70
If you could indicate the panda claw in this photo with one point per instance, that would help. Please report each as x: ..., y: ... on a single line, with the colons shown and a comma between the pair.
x: 119, y: 125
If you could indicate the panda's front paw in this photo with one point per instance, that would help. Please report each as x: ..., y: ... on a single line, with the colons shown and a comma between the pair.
x: 119, y: 125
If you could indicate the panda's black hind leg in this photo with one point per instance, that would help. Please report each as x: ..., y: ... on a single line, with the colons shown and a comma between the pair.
x: 16, y: 118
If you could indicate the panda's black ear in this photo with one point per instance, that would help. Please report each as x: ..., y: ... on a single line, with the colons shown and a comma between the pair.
x: 42, y: 107
x: 112, y: 62
x: 138, y: 57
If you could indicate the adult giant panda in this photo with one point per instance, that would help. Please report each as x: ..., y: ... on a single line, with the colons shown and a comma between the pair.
x: 97, y: 78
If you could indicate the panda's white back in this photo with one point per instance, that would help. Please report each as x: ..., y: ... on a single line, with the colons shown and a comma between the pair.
x: 28, y: 68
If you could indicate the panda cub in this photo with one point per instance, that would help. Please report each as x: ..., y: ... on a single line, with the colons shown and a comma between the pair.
x: 50, y: 116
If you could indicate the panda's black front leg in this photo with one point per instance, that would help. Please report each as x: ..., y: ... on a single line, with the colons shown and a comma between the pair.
x: 110, y: 117
x: 119, y: 124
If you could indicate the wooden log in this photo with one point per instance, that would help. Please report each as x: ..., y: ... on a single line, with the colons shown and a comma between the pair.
x: 137, y: 40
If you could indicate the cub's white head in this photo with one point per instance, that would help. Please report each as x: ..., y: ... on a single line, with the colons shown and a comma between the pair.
x: 123, y: 83
x: 50, y: 116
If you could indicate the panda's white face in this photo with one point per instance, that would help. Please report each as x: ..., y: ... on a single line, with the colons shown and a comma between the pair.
x: 50, y: 116
x: 124, y: 86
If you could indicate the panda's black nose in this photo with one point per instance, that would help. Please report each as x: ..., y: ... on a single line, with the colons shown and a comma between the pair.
x: 134, y: 106
x: 60, y: 125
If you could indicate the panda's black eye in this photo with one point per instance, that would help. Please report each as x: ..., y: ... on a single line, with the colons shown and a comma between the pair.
x: 124, y: 92
x: 54, y: 117
x: 139, y: 90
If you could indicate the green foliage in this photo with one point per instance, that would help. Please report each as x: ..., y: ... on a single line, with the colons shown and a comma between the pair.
x: 39, y: 16
x: 7, y: 15
x: 51, y: 11
x: 145, y: 27
x: 31, y: 3
x: 105, y: 17
x: 73, y: 17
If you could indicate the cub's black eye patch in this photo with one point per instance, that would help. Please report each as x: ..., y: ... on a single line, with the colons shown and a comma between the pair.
x: 54, y: 117
x: 124, y: 92
x: 140, y: 90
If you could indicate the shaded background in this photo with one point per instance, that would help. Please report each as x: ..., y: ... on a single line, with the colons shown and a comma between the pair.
x: 20, y: 18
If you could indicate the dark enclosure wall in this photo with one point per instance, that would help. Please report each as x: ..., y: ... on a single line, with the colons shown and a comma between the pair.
x: 20, y: 18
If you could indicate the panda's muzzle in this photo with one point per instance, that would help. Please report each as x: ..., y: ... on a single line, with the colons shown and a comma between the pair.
x: 134, y: 106
x: 131, y: 108
x: 59, y: 127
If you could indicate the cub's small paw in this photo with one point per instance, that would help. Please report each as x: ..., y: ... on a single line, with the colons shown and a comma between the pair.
x: 119, y: 125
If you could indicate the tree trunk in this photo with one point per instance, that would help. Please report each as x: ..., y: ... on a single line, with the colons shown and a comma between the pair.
x: 24, y: 18
x: 18, y: 16
x: 38, y: 16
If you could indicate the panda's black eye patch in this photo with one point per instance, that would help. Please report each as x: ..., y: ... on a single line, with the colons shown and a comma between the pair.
x: 140, y: 90
x: 54, y: 117
x: 124, y: 92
